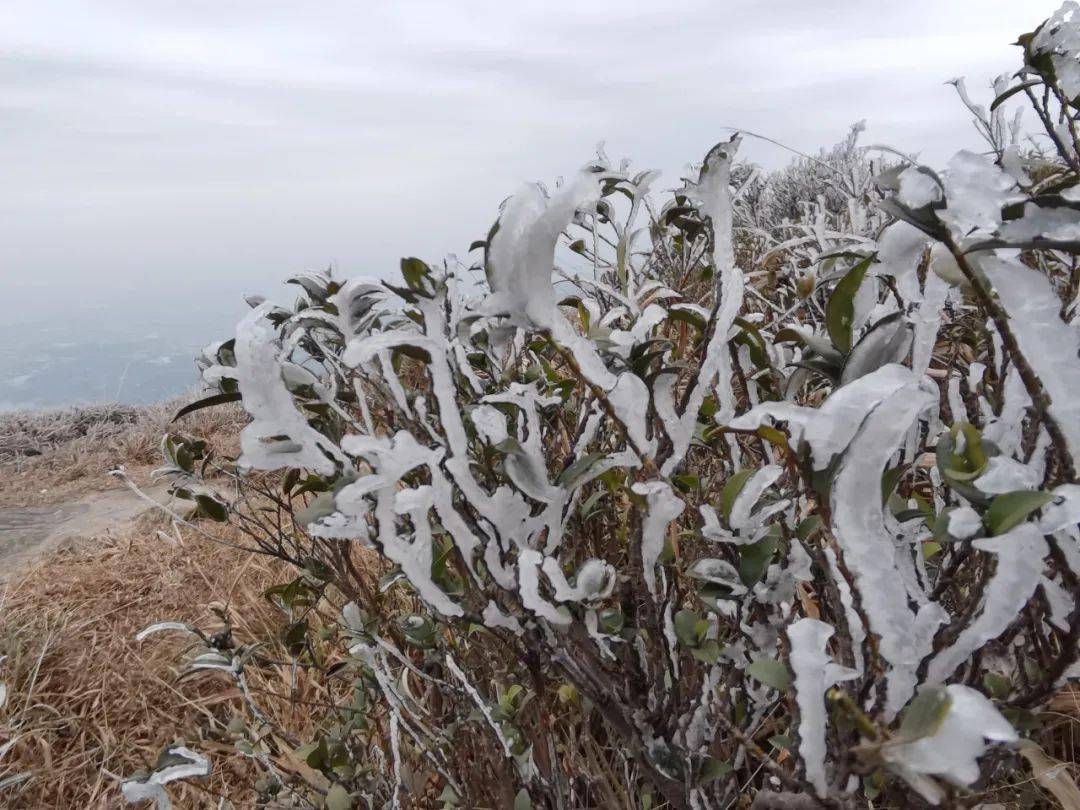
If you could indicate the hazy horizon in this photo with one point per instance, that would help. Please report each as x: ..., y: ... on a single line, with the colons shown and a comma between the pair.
x: 163, y: 159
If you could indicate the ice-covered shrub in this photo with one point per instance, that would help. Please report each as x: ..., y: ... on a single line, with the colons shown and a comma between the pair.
x: 684, y: 500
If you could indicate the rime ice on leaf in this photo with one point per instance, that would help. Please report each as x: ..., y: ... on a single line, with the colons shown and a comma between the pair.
x: 867, y: 420
x: 663, y: 507
x: 868, y: 549
x: 713, y: 193
x: 175, y: 763
x: 1048, y: 344
x: 814, y: 672
x: 278, y: 436
x: 1059, y: 38
x: 521, y: 254
x: 829, y: 429
x: 1019, y: 568
x: 976, y: 191
x: 952, y: 748
x: 1063, y: 510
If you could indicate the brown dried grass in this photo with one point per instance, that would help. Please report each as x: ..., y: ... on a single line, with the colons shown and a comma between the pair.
x: 85, y: 700
x: 52, y: 456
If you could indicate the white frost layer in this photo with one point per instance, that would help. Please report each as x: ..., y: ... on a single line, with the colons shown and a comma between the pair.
x: 663, y: 507
x: 1004, y: 474
x: 829, y: 429
x: 964, y: 522
x: 265, y: 397
x: 522, y: 251
x: 1020, y: 554
x: 1048, y: 344
x: 869, y: 551
x: 183, y: 764
x: 713, y: 193
x: 1063, y: 510
x: 952, y: 751
x: 751, y: 492
x: 814, y: 672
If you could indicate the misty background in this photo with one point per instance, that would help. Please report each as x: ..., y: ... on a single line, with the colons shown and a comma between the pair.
x: 160, y: 159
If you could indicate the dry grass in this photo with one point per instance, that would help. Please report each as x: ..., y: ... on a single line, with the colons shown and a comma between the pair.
x: 84, y: 698
x: 54, y: 456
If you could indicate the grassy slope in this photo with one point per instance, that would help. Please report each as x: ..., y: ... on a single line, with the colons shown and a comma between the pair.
x: 85, y: 702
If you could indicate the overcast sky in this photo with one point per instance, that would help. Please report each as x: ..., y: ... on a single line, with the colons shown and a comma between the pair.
x: 149, y: 148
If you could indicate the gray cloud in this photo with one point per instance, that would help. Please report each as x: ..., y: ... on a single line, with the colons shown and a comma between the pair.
x: 153, y: 149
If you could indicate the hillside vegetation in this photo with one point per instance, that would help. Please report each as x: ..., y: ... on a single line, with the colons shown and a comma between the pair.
x: 759, y: 493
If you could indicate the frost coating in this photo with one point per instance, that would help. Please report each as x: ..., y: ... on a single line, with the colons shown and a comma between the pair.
x: 278, y: 435
x: 1059, y: 37
x: 713, y: 191
x: 952, y: 751
x: 1047, y: 343
x: 830, y: 429
x: 1063, y: 510
x: 520, y: 257
x: 176, y: 762
x: 480, y: 442
x: 964, y: 522
x: 814, y: 672
x: 663, y: 507
x: 1019, y: 568
x: 859, y: 523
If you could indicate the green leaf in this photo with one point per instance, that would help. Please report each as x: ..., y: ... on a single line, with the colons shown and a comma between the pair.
x: 1012, y: 91
x: 808, y: 527
x: 708, y: 651
x: 420, y: 631
x: 1010, y: 509
x: 322, y: 505
x: 687, y: 316
x: 781, y: 741
x: 840, y: 311
x: 611, y: 620
x: 578, y: 472
x: 686, y: 623
x: 414, y: 272
x: 207, y: 402
x: 770, y: 672
x: 924, y: 714
x: 889, y: 480
x: 212, y: 508
x: 338, y: 798
x: 754, y: 559
x: 997, y: 685
x: 686, y: 482
x: 713, y: 769
x: 295, y: 637
x: 731, y: 491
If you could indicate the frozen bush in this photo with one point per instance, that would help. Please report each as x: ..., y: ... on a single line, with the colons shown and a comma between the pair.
x: 764, y: 487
